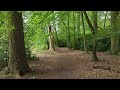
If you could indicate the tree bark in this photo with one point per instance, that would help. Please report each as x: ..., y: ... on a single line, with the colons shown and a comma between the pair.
x: 95, y: 26
x: 66, y: 31
x: 94, y: 16
x: 17, y: 64
x: 93, y: 29
x: 114, y: 35
x: 74, y: 31
x: 78, y: 29
x: 85, y: 47
x: 105, y: 19
x: 56, y: 35
x: 51, y: 39
x: 69, y: 39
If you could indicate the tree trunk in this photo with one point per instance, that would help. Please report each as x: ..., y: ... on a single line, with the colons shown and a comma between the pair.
x: 95, y: 26
x: 56, y: 35
x: 85, y: 47
x: 17, y: 64
x: 93, y: 29
x: 66, y: 31
x: 114, y: 35
x: 105, y: 19
x: 51, y: 39
x: 94, y: 16
x: 69, y: 40
x: 74, y: 31
x: 78, y: 29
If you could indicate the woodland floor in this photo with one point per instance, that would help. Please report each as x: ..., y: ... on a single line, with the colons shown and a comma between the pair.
x: 73, y: 64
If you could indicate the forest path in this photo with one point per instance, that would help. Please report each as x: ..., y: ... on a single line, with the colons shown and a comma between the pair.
x: 74, y: 64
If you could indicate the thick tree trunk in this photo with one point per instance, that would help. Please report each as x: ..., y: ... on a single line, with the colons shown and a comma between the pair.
x: 114, y: 35
x: 93, y: 29
x: 51, y: 39
x: 85, y: 47
x: 17, y: 64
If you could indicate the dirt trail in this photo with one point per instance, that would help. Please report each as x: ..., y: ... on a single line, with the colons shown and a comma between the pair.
x: 73, y: 64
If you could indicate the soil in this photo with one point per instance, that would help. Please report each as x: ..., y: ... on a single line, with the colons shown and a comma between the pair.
x: 65, y: 63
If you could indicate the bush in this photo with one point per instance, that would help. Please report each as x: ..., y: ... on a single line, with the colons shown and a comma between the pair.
x: 102, y: 44
x: 62, y: 43
x: 30, y: 55
x: 3, y: 54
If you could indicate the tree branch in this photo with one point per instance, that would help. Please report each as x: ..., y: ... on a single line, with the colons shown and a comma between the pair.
x: 48, y: 14
x: 89, y: 23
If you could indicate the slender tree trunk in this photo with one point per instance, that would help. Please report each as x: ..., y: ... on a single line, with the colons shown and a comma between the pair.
x: 78, y: 29
x: 94, y: 16
x: 66, y: 31
x: 51, y: 39
x: 95, y: 58
x: 93, y: 29
x: 17, y: 64
x: 94, y: 13
x: 56, y: 35
x: 85, y: 47
x: 114, y: 35
x: 74, y: 31
x: 105, y: 19
x: 69, y: 39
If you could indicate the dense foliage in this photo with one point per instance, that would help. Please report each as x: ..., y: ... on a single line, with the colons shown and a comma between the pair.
x: 36, y: 31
